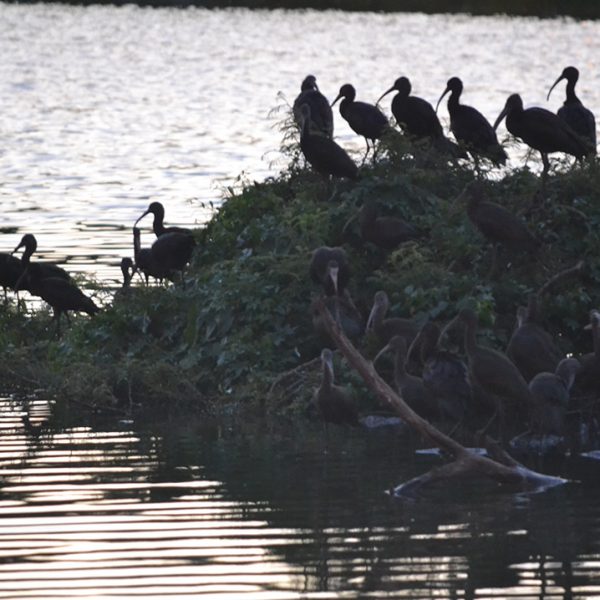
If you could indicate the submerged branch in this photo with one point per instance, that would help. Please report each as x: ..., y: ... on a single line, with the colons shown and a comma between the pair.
x: 502, y: 468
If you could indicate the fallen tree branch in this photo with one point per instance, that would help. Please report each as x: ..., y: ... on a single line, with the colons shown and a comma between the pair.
x: 502, y: 469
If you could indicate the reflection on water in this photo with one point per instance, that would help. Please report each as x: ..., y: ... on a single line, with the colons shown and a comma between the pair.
x: 106, y: 108
x: 194, y: 509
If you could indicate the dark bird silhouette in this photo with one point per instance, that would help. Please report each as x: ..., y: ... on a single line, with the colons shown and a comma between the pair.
x: 329, y: 268
x: 128, y: 271
x: 344, y: 311
x: 60, y: 294
x: 321, y: 116
x: 498, y: 225
x: 11, y: 269
x: 169, y: 253
x: 492, y: 371
x: 386, y: 232
x: 579, y: 118
x: 323, y: 154
x: 334, y: 402
x: 470, y: 127
x: 158, y: 210
x: 364, y: 119
x: 417, y: 118
x: 541, y: 130
x: 550, y: 394
x: 410, y: 387
x: 588, y: 378
x: 531, y: 348
x: 29, y: 243
x: 386, y: 329
x: 445, y: 374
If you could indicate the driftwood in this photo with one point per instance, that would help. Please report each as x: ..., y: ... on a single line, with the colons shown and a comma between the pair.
x: 497, y: 466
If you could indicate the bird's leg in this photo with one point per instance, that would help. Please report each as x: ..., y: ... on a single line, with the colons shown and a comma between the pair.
x: 366, y: 153
x: 57, y: 319
x: 546, y: 168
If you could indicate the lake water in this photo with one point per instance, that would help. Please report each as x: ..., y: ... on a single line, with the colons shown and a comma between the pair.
x: 105, y: 109
x: 197, y: 509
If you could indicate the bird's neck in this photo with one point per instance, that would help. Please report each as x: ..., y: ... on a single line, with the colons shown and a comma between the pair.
x: 158, y: 225
x: 327, y: 383
x: 453, y: 101
x: 470, y: 339
x: 25, y: 258
x: 571, y: 95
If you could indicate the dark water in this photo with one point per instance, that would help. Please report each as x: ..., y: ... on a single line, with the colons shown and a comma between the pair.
x: 202, y: 509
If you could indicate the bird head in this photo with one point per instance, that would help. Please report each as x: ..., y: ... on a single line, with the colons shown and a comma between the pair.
x: 401, y: 85
x: 513, y: 103
x: 454, y: 85
x: 571, y: 74
x: 346, y: 91
x: 381, y: 304
x: 29, y: 242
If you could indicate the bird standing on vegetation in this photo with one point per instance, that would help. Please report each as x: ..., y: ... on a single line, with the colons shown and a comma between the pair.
x: 11, y: 269
x: 493, y: 372
x: 386, y: 232
x: 386, y: 329
x: 334, y: 402
x: 541, y: 129
x: 329, y: 268
x: 470, y: 127
x: 321, y: 116
x: 573, y: 112
x: 29, y: 243
x: 531, y: 348
x: 417, y: 118
x: 60, y: 294
x: 364, y: 119
x: 550, y: 397
x: 323, y: 154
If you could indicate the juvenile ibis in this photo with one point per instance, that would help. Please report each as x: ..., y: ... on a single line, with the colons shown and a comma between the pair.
x: 60, y: 294
x: 386, y: 232
x: 470, y: 127
x: 329, y: 267
x: 158, y: 210
x: 410, y: 387
x: 322, y: 153
x: 531, y: 348
x: 334, y: 402
x: 417, y: 118
x: 29, y: 244
x: 573, y: 112
x: 364, y: 119
x: 386, y: 329
x: 492, y: 371
x: 541, y: 130
x: 550, y: 397
x: 321, y: 116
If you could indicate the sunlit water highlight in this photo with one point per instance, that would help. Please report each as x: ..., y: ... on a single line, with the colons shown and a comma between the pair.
x: 107, y: 108
x: 190, y: 510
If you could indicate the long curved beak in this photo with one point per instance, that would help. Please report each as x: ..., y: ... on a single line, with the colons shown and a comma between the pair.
x: 332, y: 272
x: 446, y: 329
x: 553, y: 86
x: 385, y: 94
x: 441, y: 97
x: 338, y: 97
x: 385, y: 349
x: 414, y: 345
x: 146, y: 213
x: 17, y: 248
x: 371, y: 318
x: 500, y: 117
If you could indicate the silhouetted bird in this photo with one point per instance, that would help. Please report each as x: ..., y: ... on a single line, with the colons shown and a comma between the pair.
x: 550, y: 397
x: 386, y: 329
x: 60, y: 294
x: 29, y: 243
x: 146, y: 263
x: 531, y: 348
x: 128, y: 271
x: 493, y: 372
x: 411, y: 388
x: 386, y: 232
x: 417, y: 118
x: 158, y: 210
x: 322, y: 153
x: 445, y: 375
x: 580, y: 119
x: 334, y: 402
x: 541, y: 129
x: 321, y: 116
x: 329, y: 268
x: 365, y: 119
x: 10, y: 271
x: 470, y: 127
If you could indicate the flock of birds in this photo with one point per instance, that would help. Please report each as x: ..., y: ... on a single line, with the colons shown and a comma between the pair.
x: 532, y: 381
x: 168, y: 256
x: 572, y: 130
